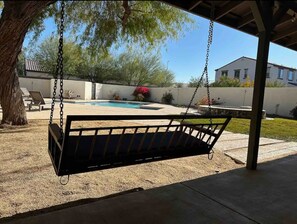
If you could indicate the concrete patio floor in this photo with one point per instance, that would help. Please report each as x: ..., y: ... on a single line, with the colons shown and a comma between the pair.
x: 235, y: 146
x: 267, y: 195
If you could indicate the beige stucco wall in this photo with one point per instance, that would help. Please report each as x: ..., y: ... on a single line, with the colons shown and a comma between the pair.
x: 42, y: 85
x: 82, y: 89
x: 124, y: 91
x: 88, y: 90
x: 99, y: 91
x: 278, y: 101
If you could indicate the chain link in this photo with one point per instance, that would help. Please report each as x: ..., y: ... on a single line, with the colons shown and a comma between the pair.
x: 61, y: 65
x: 59, y: 72
x: 205, y: 70
x: 210, y: 36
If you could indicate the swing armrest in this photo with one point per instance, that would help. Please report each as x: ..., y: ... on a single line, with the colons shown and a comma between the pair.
x: 200, y: 129
x: 55, y: 133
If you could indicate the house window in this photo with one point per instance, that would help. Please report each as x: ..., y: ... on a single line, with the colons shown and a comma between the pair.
x: 224, y: 73
x: 237, y: 74
x: 268, y: 72
x: 280, y: 73
x: 290, y: 75
x: 245, y: 73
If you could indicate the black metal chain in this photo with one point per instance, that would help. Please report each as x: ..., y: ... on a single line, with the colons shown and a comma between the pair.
x: 61, y: 63
x: 205, y: 70
x: 210, y: 36
x: 59, y: 71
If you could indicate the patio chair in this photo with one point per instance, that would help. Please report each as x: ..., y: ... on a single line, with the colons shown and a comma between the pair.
x: 37, y: 100
x: 26, y: 96
x: 25, y: 93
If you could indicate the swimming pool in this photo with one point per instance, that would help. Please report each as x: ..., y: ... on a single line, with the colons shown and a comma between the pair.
x: 121, y: 104
x: 116, y: 104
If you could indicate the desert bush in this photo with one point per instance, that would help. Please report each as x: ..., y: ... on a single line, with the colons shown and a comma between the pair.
x: 274, y: 84
x: 293, y: 112
x: 116, y: 96
x: 226, y: 82
x: 247, y: 83
x: 167, y: 98
x: 204, y: 101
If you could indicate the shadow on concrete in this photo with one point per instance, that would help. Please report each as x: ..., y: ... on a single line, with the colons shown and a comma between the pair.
x: 267, y: 195
x: 64, y: 206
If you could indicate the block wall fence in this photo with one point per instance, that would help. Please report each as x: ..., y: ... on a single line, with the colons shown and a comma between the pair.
x: 278, y: 101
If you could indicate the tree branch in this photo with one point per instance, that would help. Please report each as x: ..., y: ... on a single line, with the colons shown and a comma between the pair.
x: 127, y: 13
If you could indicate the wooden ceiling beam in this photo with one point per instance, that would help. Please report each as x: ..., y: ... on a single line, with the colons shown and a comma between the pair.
x: 245, y: 20
x: 290, y: 4
x: 194, y: 4
x: 282, y: 34
x: 285, y: 19
x: 292, y: 41
x: 262, y: 12
x: 258, y: 14
x: 282, y: 10
x: 227, y: 8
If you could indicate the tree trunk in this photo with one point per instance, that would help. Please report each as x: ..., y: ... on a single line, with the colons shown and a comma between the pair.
x: 14, y: 23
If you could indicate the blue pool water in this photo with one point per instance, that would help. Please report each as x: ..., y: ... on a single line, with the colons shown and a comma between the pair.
x: 116, y: 104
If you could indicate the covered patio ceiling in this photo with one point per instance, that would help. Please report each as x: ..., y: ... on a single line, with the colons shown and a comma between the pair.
x: 238, y: 15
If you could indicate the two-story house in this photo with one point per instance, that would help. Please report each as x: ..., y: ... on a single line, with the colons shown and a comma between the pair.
x: 244, y: 68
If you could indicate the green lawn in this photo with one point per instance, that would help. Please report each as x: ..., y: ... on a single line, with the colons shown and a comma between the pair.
x: 278, y: 128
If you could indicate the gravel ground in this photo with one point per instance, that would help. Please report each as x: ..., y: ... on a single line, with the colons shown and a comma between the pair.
x: 28, y: 181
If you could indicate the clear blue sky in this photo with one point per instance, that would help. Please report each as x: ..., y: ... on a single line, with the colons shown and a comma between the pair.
x: 185, y: 57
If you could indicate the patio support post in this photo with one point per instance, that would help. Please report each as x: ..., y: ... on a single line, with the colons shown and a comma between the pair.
x: 258, y: 98
x: 262, y: 11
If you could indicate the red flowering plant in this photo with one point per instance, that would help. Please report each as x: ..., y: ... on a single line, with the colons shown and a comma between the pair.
x: 141, y: 93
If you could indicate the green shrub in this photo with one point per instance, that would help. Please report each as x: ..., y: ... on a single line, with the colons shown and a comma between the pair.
x: 294, y: 112
x: 274, y: 84
x: 167, y: 98
x: 179, y: 85
x: 139, y: 97
x: 226, y: 82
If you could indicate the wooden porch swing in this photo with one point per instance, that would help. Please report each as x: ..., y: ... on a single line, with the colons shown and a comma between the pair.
x: 78, y: 151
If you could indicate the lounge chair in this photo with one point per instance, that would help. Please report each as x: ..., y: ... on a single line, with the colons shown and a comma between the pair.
x: 26, y: 96
x: 25, y: 93
x: 37, y: 100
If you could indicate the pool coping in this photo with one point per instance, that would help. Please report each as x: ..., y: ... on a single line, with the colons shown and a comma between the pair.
x: 143, y: 105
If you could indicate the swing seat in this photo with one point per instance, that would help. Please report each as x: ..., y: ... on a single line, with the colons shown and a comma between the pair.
x: 96, y: 148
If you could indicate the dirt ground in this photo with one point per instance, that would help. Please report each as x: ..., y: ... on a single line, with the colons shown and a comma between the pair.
x: 28, y: 181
